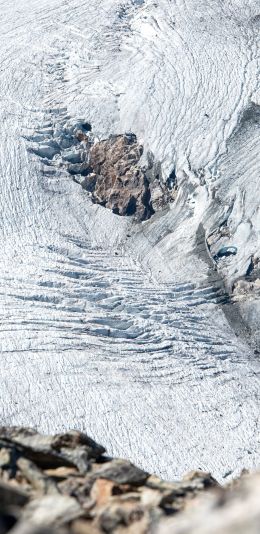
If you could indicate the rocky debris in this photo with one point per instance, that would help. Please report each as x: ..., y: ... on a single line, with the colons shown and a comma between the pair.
x: 231, y: 510
x: 161, y: 194
x: 249, y: 285
x: 45, y: 488
x: 45, y: 511
x: 122, y: 472
x: 243, y: 288
x: 222, y: 251
x: 110, y: 170
x: 219, y: 244
x: 71, y: 449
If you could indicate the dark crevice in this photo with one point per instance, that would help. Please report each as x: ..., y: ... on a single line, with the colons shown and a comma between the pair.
x: 87, y: 127
x: 171, y: 180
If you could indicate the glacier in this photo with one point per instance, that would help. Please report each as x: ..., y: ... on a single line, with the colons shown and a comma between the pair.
x: 126, y: 330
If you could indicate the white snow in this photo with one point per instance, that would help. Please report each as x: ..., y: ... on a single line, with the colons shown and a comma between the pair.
x: 132, y: 347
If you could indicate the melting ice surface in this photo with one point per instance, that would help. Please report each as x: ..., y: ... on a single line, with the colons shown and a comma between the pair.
x: 109, y: 327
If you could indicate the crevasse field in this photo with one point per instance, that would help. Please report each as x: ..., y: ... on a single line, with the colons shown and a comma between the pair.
x: 116, y: 328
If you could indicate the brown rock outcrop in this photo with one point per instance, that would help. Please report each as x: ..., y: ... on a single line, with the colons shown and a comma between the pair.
x: 120, y: 184
x: 111, y: 170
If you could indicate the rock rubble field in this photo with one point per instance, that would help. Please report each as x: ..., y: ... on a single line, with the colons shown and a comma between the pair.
x: 66, y: 484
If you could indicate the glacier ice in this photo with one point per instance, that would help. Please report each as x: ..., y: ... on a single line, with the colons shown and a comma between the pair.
x: 122, y: 329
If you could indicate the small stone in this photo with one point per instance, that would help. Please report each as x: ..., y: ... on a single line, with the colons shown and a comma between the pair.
x: 79, y: 487
x: 39, y: 480
x: 122, y: 472
x: 61, y: 473
x: 151, y: 498
x: 89, y: 182
x: 156, y: 483
x: 5, y: 457
x: 118, y: 514
x: 70, y: 449
x: 102, y: 491
x: 73, y: 439
x: 50, y: 510
x: 201, y: 479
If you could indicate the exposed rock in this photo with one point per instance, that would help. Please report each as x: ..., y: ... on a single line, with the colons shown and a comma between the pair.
x: 121, y: 514
x: 110, y: 170
x: 39, y: 480
x: 71, y: 449
x: 161, y: 194
x: 227, y: 511
x: 5, y: 457
x: 122, y: 472
x: 199, y: 480
x: 61, y: 473
x: 243, y: 287
x: 120, y: 183
x: 112, y: 496
x: 102, y: 491
x: 79, y: 487
x: 42, y: 511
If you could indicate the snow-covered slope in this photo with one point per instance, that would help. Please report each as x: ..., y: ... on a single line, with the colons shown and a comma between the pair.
x: 117, y: 328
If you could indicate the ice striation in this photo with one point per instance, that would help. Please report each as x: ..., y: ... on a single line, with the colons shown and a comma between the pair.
x: 125, y: 328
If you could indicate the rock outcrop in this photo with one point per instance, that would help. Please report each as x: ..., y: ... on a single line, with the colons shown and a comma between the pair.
x: 231, y: 510
x: 65, y: 484
x: 110, y: 170
x: 116, y: 179
x: 120, y: 184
